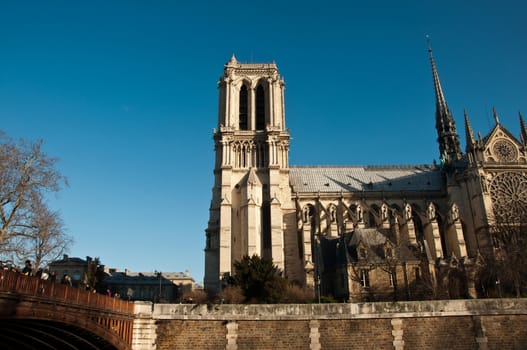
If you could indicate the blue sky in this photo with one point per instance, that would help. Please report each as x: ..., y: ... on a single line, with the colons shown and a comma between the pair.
x: 124, y: 93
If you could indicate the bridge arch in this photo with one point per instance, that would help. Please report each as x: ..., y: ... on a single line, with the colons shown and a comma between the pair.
x: 36, y: 314
x: 27, y: 333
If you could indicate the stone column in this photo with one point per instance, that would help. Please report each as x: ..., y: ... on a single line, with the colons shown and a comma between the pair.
x: 270, y: 102
x: 224, y: 152
x: 144, y: 333
x: 249, y: 156
x: 314, y: 335
x: 433, y: 238
x: 228, y: 102
x: 273, y: 160
x: 479, y: 331
x: 277, y: 234
x: 457, y: 240
x: 232, y: 335
x: 411, y: 232
x: 282, y: 105
x: 225, y: 237
x: 250, y: 227
x: 397, y: 332
x: 252, y: 108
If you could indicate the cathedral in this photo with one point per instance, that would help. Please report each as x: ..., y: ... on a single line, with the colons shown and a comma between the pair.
x: 356, y: 232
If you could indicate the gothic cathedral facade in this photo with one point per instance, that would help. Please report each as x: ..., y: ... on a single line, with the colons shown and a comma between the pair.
x: 291, y: 214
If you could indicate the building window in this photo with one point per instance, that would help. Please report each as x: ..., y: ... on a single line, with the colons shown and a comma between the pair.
x: 76, y: 275
x: 391, y: 277
x: 260, y: 108
x: 364, y: 278
x: 417, y: 274
x: 243, y: 108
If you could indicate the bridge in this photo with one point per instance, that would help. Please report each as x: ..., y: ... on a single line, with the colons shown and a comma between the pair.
x: 38, y: 314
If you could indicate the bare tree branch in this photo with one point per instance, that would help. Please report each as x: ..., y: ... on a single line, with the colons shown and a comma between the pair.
x: 28, y: 228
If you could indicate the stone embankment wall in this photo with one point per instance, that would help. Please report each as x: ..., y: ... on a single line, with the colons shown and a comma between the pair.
x: 455, y: 324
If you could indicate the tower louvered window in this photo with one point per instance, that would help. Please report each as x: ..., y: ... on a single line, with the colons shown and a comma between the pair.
x: 243, y: 108
x: 260, y: 108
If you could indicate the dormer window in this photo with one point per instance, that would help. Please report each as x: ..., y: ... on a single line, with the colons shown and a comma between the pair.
x: 362, y: 253
x: 388, y: 250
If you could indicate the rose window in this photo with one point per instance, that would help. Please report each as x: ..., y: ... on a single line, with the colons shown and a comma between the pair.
x: 509, y: 196
x: 504, y: 151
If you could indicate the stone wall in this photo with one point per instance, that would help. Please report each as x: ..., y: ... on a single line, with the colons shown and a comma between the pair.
x: 460, y: 324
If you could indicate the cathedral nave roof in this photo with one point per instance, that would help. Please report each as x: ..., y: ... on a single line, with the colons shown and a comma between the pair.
x: 365, y: 178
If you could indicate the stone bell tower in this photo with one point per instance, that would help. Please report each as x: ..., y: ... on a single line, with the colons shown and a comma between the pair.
x: 251, y: 175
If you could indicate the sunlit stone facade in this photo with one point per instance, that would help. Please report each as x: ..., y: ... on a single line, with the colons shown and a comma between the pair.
x: 432, y: 217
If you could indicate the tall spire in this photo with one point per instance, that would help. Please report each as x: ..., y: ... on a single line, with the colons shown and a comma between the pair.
x: 496, y: 117
x: 441, y: 105
x: 523, y: 130
x: 449, y: 147
x: 469, y: 133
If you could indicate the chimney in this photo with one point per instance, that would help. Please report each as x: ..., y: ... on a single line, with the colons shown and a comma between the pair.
x: 66, y: 257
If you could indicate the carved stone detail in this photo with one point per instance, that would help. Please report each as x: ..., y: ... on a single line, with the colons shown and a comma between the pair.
x: 509, y: 196
x: 505, y: 151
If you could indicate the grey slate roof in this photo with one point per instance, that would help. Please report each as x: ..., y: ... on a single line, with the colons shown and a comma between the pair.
x: 368, y: 236
x: 365, y: 178
x: 343, y: 249
x: 69, y: 261
x: 145, y: 277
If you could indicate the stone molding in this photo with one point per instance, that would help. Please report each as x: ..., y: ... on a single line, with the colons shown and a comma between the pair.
x: 403, y: 309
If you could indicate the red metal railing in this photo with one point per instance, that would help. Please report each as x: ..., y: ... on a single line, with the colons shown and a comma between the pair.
x: 11, y: 281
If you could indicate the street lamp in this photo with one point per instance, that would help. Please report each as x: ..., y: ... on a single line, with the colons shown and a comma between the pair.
x: 314, y: 254
x: 158, y: 273
x: 498, y: 284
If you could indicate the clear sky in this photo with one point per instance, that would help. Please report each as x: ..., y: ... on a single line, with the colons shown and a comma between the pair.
x: 124, y: 93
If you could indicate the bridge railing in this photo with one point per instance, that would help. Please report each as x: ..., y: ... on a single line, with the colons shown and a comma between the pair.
x: 11, y: 281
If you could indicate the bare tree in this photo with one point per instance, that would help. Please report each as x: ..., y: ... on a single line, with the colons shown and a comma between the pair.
x: 28, y: 228
x: 505, y: 271
x: 46, y: 240
x: 504, y: 266
x: 360, y: 274
x: 389, y: 265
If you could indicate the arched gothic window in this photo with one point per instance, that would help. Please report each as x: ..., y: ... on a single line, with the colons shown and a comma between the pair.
x: 243, y: 108
x: 260, y: 108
